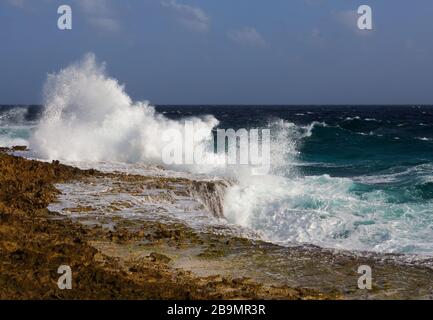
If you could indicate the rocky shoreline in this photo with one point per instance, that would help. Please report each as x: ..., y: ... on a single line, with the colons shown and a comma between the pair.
x: 33, y: 245
x: 145, y: 259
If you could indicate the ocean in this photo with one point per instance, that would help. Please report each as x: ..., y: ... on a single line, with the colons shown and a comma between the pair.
x: 356, y: 178
x: 353, y: 177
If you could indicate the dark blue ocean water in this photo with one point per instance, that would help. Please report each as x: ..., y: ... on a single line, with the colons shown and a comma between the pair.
x: 356, y: 140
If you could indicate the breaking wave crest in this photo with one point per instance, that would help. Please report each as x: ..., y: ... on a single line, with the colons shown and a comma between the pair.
x: 89, y: 117
x: 388, y: 212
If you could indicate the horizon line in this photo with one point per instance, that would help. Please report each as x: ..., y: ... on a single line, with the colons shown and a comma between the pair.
x: 254, y: 105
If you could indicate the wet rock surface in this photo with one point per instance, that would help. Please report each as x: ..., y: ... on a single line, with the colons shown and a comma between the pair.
x: 118, y: 257
x: 35, y: 242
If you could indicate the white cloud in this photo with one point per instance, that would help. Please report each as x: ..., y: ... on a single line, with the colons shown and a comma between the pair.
x: 106, y: 24
x: 99, y: 14
x: 94, y: 6
x: 192, y: 17
x: 247, y: 36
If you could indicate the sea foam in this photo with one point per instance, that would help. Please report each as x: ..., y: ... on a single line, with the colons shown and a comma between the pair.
x: 89, y: 117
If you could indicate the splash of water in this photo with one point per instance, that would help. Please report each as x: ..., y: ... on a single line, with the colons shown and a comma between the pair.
x: 89, y: 117
x: 290, y: 208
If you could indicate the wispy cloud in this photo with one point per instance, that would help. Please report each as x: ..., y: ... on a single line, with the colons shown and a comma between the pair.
x: 316, y: 37
x: 247, y: 36
x: 313, y: 2
x: 106, y: 24
x: 95, y: 6
x: 16, y: 3
x: 99, y: 14
x: 349, y: 20
x: 191, y: 17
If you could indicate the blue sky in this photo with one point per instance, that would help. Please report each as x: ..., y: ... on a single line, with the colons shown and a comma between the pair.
x: 226, y: 51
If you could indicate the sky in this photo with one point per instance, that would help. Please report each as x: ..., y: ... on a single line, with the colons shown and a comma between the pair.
x: 226, y: 51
